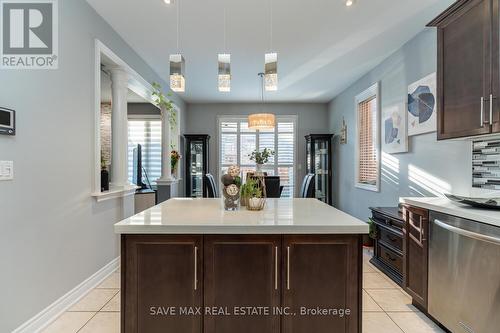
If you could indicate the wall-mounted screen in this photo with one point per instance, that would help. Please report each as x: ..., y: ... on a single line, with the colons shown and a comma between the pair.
x: 7, y: 121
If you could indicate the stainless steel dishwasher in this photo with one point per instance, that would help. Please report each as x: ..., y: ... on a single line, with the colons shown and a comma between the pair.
x: 464, y: 274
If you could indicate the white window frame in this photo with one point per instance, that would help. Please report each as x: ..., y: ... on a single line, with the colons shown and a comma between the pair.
x: 279, y: 118
x: 373, y: 91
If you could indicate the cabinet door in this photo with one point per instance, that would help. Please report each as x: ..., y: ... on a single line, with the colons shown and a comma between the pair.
x: 464, y: 71
x: 242, y: 271
x: 416, y: 248
x: 322, y: 271
x: 495, y: 66
x: 161, y: 272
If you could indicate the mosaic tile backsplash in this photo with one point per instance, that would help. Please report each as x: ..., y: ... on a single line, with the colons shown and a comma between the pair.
x: 486, y: 164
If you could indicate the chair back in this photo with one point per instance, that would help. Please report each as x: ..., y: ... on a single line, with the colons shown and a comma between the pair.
x: 272, y: 186
x: 307, y: 188
x: 211, y: 188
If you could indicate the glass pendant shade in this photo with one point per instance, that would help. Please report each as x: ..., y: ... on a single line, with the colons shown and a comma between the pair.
x: 177, y: 78
x: 271, y: 72
x: 224, y: 76
x: 261, y: 121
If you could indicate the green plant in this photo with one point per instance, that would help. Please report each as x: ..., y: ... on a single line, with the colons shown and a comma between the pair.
x: 251, y: 189
x: 372, y: 230
x: 261, y: 157
x: 164, y: 103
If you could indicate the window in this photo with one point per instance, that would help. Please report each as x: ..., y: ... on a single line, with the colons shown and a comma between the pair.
x: 237, y: 141
x: 147, y: 133
x: 368, y: 143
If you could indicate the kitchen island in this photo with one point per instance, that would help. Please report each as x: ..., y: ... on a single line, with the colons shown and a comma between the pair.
x: 189, y: 266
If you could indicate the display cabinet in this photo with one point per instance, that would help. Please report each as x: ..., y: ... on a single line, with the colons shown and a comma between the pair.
x: 319, y: 157
x: 197, y: 164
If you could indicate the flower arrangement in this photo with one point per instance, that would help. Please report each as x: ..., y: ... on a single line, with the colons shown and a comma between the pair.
x: 261, y: 157
x: 174, y: 159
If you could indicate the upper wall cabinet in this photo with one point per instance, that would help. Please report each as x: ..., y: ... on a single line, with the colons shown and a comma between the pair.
x: 468, y: 69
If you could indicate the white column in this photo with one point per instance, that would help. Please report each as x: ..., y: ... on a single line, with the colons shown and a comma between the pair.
x: 166, y: 170
x: 119, y: 127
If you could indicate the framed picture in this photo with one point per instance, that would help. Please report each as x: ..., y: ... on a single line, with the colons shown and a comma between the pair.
x: 422, y: 100
x: 394, y: 130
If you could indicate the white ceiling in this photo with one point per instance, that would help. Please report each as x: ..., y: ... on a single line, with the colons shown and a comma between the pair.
x: 323, y: 46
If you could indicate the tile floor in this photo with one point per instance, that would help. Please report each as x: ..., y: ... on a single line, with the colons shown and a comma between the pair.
x: 386, y: 308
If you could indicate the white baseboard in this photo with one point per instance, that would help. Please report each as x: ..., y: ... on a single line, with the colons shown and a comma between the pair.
x: 54, y: 310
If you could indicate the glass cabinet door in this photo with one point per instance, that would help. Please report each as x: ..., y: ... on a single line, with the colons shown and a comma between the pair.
x: 196, y: 158
x: 321, y: 168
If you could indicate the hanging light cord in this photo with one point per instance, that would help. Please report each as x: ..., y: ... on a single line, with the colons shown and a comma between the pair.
x: 271, y: 24
x: 178, y: 25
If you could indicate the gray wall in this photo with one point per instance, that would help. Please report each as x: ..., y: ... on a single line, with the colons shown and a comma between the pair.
x: 449, y: 161
x: 53, y: 234
x: 312, y: 119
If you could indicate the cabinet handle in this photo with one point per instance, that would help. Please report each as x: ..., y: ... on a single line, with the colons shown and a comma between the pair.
x: 196, y: 268
x: 275, y: 268
x: 482, y: 111
x: 491, y: 109
x: 288, y: 267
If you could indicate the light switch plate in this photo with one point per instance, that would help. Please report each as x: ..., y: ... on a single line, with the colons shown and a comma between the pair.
x: 6, y: 170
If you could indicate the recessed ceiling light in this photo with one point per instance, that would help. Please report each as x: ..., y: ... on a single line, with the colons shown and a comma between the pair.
x: 168, y: 2
x: 348, y: 3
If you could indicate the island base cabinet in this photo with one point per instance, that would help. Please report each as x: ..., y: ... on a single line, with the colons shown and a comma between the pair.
x: 322, y: 273
x: 159, y: 274
x: 242, y: 271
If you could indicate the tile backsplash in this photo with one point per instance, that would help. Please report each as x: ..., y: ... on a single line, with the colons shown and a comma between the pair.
x: 486, y: 164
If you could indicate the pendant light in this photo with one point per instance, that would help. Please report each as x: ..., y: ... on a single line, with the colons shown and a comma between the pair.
x: 224, y: 62
x: 177, y: 64
x: 271, y: 59
x: 261, y: 121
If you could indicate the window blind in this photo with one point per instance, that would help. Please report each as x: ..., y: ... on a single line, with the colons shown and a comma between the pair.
x: 367, y: 150
x: 147, y: 133
x: 237, y: 141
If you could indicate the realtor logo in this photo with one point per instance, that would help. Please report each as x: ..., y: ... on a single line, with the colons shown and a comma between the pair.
x: 29, y: 34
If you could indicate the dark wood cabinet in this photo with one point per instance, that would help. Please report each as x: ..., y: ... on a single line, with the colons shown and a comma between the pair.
x: 416, y: 254
x: 468, y: 75
x: 388, y: 247
x: 161, y: 271
x: 197, y: 164
x: 242, y: 271
x: 318, y: 271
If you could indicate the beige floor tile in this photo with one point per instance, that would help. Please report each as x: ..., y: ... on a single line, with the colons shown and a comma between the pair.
x: 69, y: 322
x: 414, y: 322
x: 94, y: 300
x: 391, y: 300
x: 368, y: 268
x: 379, y: 322
x: 112, y: 281
x: 376, y: 281
x: 369, y: 304
x: 113, y: 305
x: 103, y: 322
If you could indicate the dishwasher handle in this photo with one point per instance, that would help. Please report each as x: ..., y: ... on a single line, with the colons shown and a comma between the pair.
x: 467, y: 233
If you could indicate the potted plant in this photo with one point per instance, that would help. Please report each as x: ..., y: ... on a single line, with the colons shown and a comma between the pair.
x: 165, y: 105
x: 254, y: 196
x: 372, y: 234
x: 260, y: 158
x: 174, y: 160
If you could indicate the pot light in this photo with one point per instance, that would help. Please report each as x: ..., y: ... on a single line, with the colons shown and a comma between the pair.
x: 224, y: 72
x: 168, y: 2
x: 177, y: 79
x: 271, y: 71
x: 349, y: 3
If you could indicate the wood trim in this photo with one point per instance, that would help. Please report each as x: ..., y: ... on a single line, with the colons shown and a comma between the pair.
x: 445, y: 14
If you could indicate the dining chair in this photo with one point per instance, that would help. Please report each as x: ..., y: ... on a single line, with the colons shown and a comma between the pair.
x: 307, y: 188
x: 272, y: 186
x: 211, y: 188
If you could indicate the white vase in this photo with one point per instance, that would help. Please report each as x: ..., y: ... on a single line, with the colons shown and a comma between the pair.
x: 258, y: 169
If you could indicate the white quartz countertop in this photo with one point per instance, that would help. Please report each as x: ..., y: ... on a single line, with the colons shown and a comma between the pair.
x: 207, y: 216
x: 443, y: 205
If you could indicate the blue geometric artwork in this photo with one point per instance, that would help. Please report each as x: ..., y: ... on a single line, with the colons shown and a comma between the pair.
x: 394, y: 129
x: 422, y: 106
